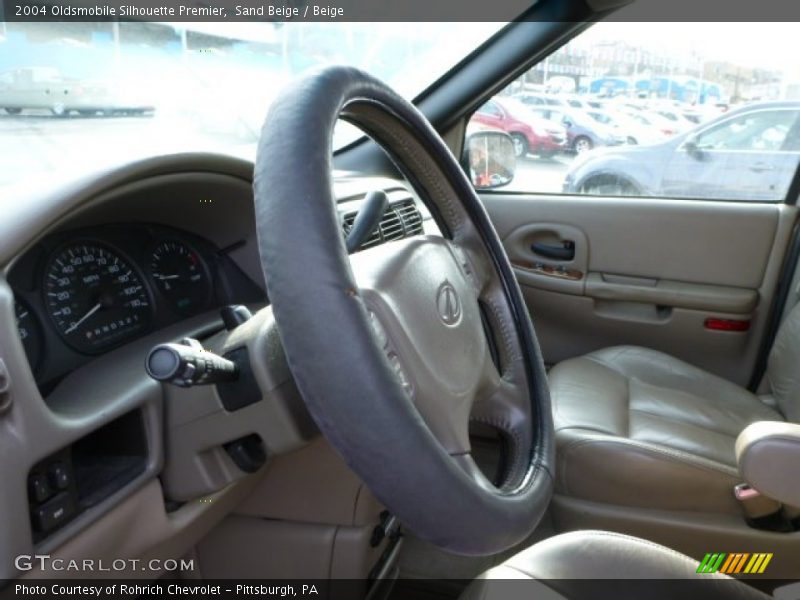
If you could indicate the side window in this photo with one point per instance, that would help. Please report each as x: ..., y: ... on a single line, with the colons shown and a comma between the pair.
x: 655, y: 110
x: 764, y: 130
x: 601, y: 117
x: 490, y: 109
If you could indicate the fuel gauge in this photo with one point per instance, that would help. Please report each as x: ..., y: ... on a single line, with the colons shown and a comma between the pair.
x: 181, y: 276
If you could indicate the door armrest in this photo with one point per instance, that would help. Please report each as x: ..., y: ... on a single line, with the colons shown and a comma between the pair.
x: 768, y: 453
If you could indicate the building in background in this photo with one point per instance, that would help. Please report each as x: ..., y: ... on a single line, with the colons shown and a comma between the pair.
x: 616, y: 67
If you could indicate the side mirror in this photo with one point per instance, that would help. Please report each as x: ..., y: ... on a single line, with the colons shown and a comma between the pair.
x: 567, y: 123
x: 490, y: 159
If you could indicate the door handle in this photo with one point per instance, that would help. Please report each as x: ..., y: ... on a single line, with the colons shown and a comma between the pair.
x: 563, y: 251
x: 762, y: 168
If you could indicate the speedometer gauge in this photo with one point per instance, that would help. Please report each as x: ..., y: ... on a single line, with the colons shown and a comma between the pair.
x: 181, y: 276
x: 94, y: 297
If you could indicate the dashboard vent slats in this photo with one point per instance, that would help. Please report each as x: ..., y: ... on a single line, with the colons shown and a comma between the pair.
x: 401, y: 220
x: 391, y: 226
x: 411, y: 217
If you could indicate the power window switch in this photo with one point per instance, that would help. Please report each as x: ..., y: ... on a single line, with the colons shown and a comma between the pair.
x: 59, y: 476
x: 39, y: 489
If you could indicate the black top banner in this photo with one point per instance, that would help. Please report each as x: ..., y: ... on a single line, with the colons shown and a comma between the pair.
x: 395, y: 11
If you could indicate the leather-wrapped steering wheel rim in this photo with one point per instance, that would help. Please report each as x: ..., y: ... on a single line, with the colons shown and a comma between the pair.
x: 323, y: 317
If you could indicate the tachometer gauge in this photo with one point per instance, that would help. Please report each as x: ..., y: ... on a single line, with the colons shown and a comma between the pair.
x: 29, y: 333
x: 181, y: 276
x: 94, y: 297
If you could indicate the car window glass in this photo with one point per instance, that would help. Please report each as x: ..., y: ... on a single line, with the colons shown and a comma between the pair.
x: 81, y: 94
x: 600, y: 117
x: 764, y: 130
x: 491, y: 109
x: 792, y: 141
x: 662, y: 110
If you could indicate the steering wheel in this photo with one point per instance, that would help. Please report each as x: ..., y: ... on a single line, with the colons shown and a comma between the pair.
x: 397, y: 348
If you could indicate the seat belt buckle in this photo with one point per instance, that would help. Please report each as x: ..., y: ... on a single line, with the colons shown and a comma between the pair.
x: 754, y: 503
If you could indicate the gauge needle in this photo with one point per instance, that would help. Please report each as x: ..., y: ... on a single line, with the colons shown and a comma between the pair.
x: 77, y: 323
x: 165, y: 277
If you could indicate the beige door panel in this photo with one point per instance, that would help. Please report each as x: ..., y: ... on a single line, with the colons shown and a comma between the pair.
x: 719, y: 243
x: 674, y: 294
x: 647, y: 272
x: 569, y: 325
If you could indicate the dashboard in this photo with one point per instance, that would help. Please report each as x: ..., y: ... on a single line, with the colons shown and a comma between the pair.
x: 82, y: 292
x: 96, y: 272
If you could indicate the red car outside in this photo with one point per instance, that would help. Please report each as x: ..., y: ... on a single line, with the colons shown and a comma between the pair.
x: 531, y: 134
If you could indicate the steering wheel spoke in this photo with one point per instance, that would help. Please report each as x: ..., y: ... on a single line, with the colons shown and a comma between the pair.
x: 475, y: 264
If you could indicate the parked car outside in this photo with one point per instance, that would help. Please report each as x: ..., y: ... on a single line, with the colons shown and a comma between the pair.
x: 539, y: 99
x: 676, y: 116
x: 531, y: 133
x: 701, y: 113
x: 635, y: 131
x: 651, y: 119
x: 579, y: 102
x: 45, y: 88
x: 747, y: 154
x: 583, y: 132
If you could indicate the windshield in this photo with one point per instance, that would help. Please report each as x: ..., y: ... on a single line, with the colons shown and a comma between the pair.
x: 75, y: 95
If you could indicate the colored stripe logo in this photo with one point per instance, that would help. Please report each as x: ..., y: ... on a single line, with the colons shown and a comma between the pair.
x: 734, y: 563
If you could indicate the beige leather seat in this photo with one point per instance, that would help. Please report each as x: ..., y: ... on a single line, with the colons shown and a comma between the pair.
x: 636, y: 427
x: 571, y: 566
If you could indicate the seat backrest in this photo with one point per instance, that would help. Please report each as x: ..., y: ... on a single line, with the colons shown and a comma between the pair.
x: 783, y: 367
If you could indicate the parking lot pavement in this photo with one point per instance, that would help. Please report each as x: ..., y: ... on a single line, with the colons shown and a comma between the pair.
x: 540, y: 174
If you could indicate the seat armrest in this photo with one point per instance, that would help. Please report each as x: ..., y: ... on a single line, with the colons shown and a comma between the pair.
x: 768, y: 453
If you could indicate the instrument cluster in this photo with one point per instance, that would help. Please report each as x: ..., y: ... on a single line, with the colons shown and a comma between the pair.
x: 82, y: 293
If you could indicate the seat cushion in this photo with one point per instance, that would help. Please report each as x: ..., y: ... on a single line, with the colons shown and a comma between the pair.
x: 601, y: 564
x: 641, y: 428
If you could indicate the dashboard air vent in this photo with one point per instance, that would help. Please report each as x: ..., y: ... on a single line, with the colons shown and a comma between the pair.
x: 402, y: 219
x: 410, y: 215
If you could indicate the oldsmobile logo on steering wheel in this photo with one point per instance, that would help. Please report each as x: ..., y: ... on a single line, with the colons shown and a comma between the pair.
x: 448, y: 304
